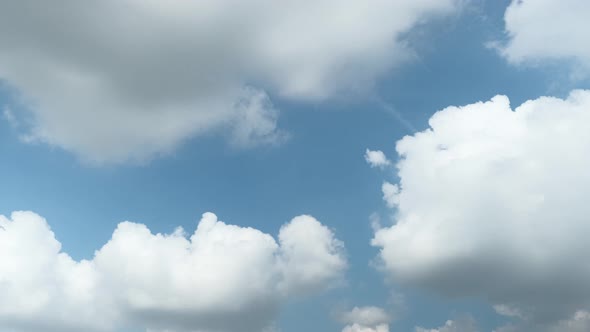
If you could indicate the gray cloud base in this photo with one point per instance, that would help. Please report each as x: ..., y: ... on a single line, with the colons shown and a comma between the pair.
x: 116, y: 81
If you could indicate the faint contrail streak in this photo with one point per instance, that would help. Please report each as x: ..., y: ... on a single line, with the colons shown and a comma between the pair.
x: 398, y: 115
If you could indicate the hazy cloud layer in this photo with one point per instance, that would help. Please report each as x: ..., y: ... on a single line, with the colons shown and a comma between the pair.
x: 463, y: 324
x: 114, y: 81
x: 492, y: 203
x: 578, y: 322
x: 220, y: 278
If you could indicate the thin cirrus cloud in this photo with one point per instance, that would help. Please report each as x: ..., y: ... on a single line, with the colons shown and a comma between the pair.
x: 492, y: 203
x: 221, y: 278
x: 532, y: 40
x: 126, y: 81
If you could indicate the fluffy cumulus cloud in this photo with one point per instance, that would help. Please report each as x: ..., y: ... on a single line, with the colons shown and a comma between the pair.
x: 532, y: 38
x: 220, y: 278
x: 376, y: 158
x: 366, y: 319
x: 492, y: 202
x: 126, y: 80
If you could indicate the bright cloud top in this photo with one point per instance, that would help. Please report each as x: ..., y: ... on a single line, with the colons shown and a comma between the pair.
x: 159, y: 73
x: 366, y: 319
x: 221, y: 278
x: 531, y: 38
x: 493, y: 202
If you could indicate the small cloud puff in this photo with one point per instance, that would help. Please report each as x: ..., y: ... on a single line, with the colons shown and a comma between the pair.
x: 463, y: 324
x: 377, y: 159
x: 366, y: 319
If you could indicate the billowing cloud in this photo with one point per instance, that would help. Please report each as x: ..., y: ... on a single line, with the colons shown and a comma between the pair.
x: 366, y: 319
x: 377, y: 158
x: 114, y: 81
x: 42, y: 288
x: 220, y: 278
x: 532, y: 39
x: 493, y: 203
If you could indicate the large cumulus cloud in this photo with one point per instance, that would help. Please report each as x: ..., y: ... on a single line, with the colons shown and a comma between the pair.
x: 220, y: 278
x: 114, y: 81
x: 492, y: 202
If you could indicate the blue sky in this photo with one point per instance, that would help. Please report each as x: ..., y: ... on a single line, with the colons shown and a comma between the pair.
x: 320, y: 170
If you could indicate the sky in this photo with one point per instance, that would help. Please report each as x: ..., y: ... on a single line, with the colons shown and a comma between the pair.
x: 213, y: 166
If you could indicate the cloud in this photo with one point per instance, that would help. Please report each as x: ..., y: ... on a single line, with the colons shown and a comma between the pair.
x: 578, y: 322
x: 255, y: 121
x: 464, y: 324
x: 390, y: 193
x: 377, y: 159
x: 492, y: 203
x: 159, y: 73
x: 363, y: 328
x: 310, y: 256
x: 9, y: 117
x: 220, y: 278
x: 532, y: 39
x: 366, y: 319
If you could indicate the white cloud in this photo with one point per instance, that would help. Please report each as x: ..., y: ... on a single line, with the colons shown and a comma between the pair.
x: 310, y: 256
x: 366, y: 319
x: 221, y: 278
x: 366, y: 316
x: 377, y: 158
x: 492, y: 203
x: 547, y: 30
x: 363, y: 328
x: 390, y: 193
x: 464, y: 324
x: 42, y: 288
x: 159, y: 73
